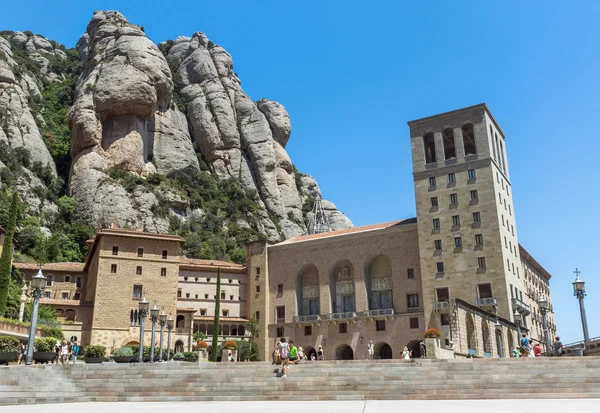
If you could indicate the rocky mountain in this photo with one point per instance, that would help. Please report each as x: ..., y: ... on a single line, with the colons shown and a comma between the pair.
x: 162, y: 138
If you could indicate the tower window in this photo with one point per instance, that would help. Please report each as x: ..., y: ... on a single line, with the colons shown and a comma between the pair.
x: 449, y: 149
x: 492, y: 138
x: 138, y: 270
x: 476, y: 217
x: 455, y: 220
x: 440, y: 267
x: 436, y: 223
x: 469, y: 139
x: 113, y: 268
x: 474, y: 195
x: 481, y: 262
x: 502, y: 157
x: 411, y: 273
x: 414, y: 322
x: 163, y: 272
x: 432, y: 181
x: 434, y: 202
x: 471, y: 173
x: 457, y: 242
x: 442, y: 294
x: 429, y: 144
x: 115, y: 250
x: 437, y: 244
x: 453, y: 199
x: 140, y: 252
x: 478, y: 239
x: 379, y: 325
x: 451, y: 178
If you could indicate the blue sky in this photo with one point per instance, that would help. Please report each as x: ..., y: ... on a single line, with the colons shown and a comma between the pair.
x: 351, y: 74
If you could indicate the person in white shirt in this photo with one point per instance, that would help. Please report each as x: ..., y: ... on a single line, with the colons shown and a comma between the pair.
x: 371, y: 349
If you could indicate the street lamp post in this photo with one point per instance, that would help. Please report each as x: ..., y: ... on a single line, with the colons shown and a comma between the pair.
x: 162, y: 320
x: 144, y: 304
x: 518, y: 318
x: 170, y: 328
x: 38, y: 284
x: 579, y: 292
x: 544, y: 307
x: 154, y: 317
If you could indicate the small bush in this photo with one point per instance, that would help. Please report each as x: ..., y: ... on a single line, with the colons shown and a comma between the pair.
x: 45, y: 344
x: 9, y: 344
x: 94, y: 351
x: 230, y: 345
x: 123, y: 351
x: 186, y: 355
x: 432, y: 333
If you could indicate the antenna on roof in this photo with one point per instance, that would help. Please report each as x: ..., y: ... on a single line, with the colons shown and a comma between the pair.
x: 319, y: 223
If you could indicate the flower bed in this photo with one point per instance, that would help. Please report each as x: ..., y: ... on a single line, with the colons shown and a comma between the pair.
x: 432, y: 333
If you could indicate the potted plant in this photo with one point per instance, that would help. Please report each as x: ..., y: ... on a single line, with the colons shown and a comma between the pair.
x: 432, y: 333
x: 44, y: 349
x: 186, y: 356
x: 123, y: 355
x: 9, y: 349
x: 229, y: 347
x: 202, y: 346
x: 432, y: 341
x: 94, y: 354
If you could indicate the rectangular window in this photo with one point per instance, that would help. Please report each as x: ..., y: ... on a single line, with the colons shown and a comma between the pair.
x: 115, y: 250
x: 225, y: 313
x: 196, y: 295
x: 476, y: 217
x: 453, y: 199
x: 380, y: 325
x: 279, y: 331
x: 484, y: 290
x: 474, y: 195
x: 445, y: 319
x: 440, y: 267
x: 510, y: 245
x: 432, y: 181
x: 49, y: 282
x: 279, y: 288
x: 78, y: 282
x: 412, y: 300
x: 179, y: 293
x: 187, y: 295
x: 414, y: 322
x: 500, y: 197
x: 411, y: 273
x: 434, y: 202
x: 231, y: 297
x: 458, y: 242
x: 46, y: 294
x: 203, y: 311
x: 471, y: 173
x: 437, y: 244
x: 497, y: 177
x: 343, y: 329
x: 280, y: 314
x: 230, y: 281
x: 113, y: 268
x: 451, y: 178
x: 512, y: 293
x: 503, y: 224
x: 164, y: 254
x: 222, y: 295
x: 163, y: 272
x: 140, y: 252
x: 512, y: 229
x: 509, y: 210
x: 258, y: 288
x: 206, y: 296
x: 308, y: 330
x: 257, y: 270
x: 518, y: 272
x: 138, y: 270
x: 442, y: 294
x: 207, y: 280
x: 455, y: 220
x: 67, y: 278
x: 478, y: 239
x: 481, y: 262
x: 436, y: 223
x: 65, y: 295
x: 505, y: 242
x: 513, y: 268
x: 257, y: 315
x: 76, y: 296
x: 137, y: 291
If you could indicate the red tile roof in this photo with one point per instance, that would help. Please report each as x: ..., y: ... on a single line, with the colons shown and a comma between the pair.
x: 52, y: 266
x: 354, y: 230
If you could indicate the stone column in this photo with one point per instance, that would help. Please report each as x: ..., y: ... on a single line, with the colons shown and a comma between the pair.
x: 23, y: 299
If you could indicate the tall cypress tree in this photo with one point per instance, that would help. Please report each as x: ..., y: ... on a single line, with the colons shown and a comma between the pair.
x: 215, y: 339
x: 6, y: 258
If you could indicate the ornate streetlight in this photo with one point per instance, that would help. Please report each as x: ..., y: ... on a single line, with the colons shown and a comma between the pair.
x: 170, y: 323
x: 579, y: 292
x: 518, y: 318
x: 143, y: 311
x: 544, y: 307
x: 154, y: 317
x: 162, y: 320
x: 38, y: 284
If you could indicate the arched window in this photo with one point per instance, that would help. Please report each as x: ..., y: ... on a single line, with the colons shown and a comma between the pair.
x: 241, y: 330
x: 429, y: 144
x: 449, y: 149
x: 180, y: 323
x: 502, y: 156
x: 378, y: 277
x: 307, y: 290
x: 469, y: 139
x: 70, y: 315
x: 342, y: 287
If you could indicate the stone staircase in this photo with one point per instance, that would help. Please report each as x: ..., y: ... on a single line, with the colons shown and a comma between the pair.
x: 567, y: 377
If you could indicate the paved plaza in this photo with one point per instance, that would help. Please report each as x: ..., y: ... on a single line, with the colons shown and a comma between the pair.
x: 371, y: 406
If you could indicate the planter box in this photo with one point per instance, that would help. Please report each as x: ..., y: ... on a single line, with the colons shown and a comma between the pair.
x: 43, y: 356
x: 94, y: 360
x: 5, y: 358
x: 202, y: 356
x: 124, y: 359
x: 225, y: 354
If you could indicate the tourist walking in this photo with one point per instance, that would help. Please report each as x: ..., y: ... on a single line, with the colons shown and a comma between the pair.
x: 74, y: 352
x: 558, y: 347
x: 320, y: 355
x: 524, y: 345
x: 371, y: 350
x: 406, y: 354
x: 21, y: 356
x: 64, y: 353
x: 284, y: 350
x: 230, y: 358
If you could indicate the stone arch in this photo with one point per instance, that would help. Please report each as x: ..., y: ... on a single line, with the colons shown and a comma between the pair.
x: 341, y: 285
x: 378, y: 282
x: 179, y: 346
x: 344, y: 352
x: 429, y: 147
x: 241, y: 330
x: 307, y: 290
x: 485, y: 335
x: 414, y: 348
x: 310, y: 351
x: 69, y: 315
x: 471, y: 339
x: 449, y: 147
x: 383, y: 351
x: 225, y: 329
x: 234, y: 330
x: 468, y: 133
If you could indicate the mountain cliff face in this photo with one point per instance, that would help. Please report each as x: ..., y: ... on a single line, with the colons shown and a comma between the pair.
x: 162, y: 138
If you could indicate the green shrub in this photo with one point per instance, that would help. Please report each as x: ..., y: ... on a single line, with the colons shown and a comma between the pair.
x: 45, y: 344
x: 123, y: 351
x: 94, y: 352
x: 186, y: 355
x: 9, y: 344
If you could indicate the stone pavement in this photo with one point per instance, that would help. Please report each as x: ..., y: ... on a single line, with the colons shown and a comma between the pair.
x: 370, y: 406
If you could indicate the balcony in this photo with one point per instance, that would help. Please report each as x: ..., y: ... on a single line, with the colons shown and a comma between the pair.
x: 521, y: 307
x: 280, y: 320
x: 486, y: 302
x: 306, y: 318
x: 382, y: 312
x: 441, y: 305
x: 339, y: 316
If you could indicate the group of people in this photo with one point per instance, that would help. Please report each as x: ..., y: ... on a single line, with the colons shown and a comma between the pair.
x: 529, y: 348
x: 63, y: 352
x: 288, y: 354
